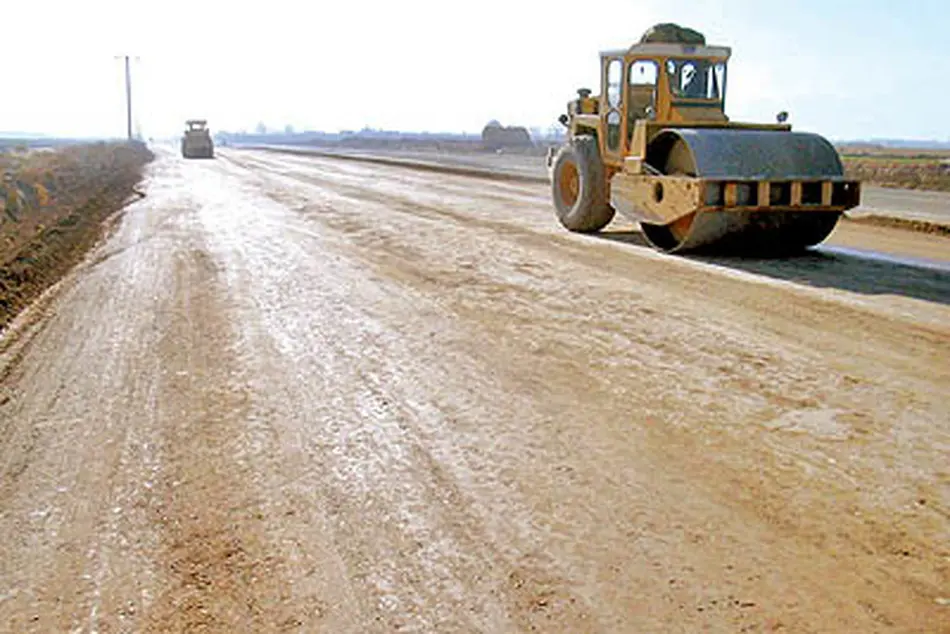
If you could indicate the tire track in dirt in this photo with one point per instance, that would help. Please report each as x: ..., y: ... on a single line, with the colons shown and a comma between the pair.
x: 404, y: 528
x: 73, y: 517
x: 454, y: 206
x: 222, y: 575
x: 275, y: 403
x: 395, y: 250
x: 129, y: 496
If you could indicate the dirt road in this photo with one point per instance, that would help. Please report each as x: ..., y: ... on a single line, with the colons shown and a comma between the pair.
x: 921, y: 205
x: 298, y: 394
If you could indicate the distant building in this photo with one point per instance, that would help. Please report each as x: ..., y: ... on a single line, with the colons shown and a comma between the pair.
x: 496, y: 136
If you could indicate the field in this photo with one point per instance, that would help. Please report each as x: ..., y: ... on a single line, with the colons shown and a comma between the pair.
x: 52, y: 205
x: 897, y: 168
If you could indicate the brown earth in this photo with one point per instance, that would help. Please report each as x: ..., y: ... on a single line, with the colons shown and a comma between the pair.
x: 301, y: 394
x: 922, y: 226
x: 39, y: 243
x: 927, y: 174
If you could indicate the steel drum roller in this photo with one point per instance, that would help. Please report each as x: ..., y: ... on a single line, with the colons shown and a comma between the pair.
x: 755, y: 155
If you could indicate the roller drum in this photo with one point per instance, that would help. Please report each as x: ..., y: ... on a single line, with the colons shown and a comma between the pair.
x: 744, y: 154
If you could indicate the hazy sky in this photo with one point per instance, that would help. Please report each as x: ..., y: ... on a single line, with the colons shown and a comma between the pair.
x: 843, y: 68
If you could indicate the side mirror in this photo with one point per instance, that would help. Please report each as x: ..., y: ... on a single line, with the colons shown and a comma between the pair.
x: 781, y: 117
x: 563, y: 119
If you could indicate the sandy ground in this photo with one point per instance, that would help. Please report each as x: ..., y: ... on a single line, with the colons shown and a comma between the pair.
x: 299, y: 394
x: 914, y: 204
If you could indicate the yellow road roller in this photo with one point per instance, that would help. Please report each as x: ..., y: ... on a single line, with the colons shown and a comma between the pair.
x: 657, y: 147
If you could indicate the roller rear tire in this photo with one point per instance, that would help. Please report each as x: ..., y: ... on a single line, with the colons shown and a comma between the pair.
x: 579, y: 187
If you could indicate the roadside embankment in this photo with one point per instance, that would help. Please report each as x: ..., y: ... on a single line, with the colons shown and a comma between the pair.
x: 52, y: 209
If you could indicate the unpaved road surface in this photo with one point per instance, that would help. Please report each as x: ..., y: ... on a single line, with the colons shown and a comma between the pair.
x: 928, y: 206
x: 916, y: 204
x: 300, y: 394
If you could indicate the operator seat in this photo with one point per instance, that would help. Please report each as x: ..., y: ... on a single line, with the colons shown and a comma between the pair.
x: 640, y: 97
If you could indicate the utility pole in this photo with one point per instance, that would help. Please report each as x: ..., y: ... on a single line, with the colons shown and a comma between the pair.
x: 128, y: 96
x: 128, y: 93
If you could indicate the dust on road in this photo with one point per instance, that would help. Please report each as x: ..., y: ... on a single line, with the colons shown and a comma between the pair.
x: 302, y: 394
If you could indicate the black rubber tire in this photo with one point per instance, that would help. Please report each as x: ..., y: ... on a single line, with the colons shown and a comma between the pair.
x: 588, y: 211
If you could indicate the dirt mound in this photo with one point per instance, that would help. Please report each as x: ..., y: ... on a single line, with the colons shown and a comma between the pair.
x: 62, y: 200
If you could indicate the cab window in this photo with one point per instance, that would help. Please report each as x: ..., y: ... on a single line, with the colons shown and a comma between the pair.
x: 614, y: 103
x: 642, y: 88
x: 696, y: 78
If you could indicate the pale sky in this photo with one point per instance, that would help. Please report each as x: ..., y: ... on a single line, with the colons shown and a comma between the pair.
x: 843, y: 68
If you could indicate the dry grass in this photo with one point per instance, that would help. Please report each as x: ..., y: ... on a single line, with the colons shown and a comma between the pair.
x: 929, y: 174
x: 52, y: 205
x: 901, y: 168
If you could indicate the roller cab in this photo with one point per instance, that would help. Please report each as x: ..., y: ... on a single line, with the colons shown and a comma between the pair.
x: 664, y: 154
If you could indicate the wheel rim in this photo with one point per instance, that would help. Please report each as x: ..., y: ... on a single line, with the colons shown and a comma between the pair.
x: 681, y: 226
x: 569, y: 184
x: 679, y: 162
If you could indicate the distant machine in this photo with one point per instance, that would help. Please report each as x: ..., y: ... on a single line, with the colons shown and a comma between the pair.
x: 197, y: 142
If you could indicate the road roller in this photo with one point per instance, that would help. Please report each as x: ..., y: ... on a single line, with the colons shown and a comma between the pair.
x: 196, y: 142
x: 656, y: 146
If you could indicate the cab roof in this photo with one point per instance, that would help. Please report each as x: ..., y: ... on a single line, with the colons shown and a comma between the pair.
x: 657, y: 49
